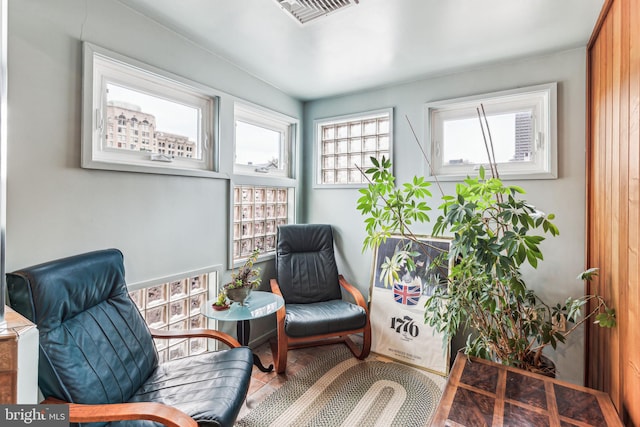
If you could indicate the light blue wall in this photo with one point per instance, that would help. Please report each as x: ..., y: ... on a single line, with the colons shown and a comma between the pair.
x: 168, y: 224
x: 164, y: 224
x: 564, y: 255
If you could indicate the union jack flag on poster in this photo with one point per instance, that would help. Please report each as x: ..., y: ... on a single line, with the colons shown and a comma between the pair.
x: 406, y: 294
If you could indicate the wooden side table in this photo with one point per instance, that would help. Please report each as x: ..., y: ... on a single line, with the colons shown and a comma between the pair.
x: 8, y: 367
x: 18, y: 360
x: 483, y: 393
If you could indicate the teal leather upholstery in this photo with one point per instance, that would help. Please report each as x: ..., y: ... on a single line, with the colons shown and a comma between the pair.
x: 314, y: 312
x: 321, y: 318
x: 306, y: 265
x: 307, y: 274
x: 95, y: 347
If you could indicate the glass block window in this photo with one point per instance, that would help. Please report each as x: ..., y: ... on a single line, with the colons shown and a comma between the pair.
x: 257, y: 211
x: 175, y: 305
x: 347, y: 142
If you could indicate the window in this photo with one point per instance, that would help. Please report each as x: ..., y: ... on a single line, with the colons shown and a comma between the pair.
x: 264, y: 179
x: 522, y: 123
x: 263, y: 142
x: 176, y: 305
x: 343, y: 144
x: 139, y: 100
x: 257, y: 212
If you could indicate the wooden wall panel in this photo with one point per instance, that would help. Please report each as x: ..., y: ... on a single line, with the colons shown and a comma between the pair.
x: 623, y: 179
x: 613, y: 202
x: 631, y: 385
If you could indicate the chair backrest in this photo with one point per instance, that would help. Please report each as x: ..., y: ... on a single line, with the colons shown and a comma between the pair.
x: 305, y: 263
x: 94, y: 345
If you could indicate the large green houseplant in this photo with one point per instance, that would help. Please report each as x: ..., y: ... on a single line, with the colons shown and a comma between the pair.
x: 494, y: 233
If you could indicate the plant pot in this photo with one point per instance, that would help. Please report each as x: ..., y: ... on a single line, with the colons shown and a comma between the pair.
x: 238, y: 295
x: 546, y: 366
x: 220, y: 307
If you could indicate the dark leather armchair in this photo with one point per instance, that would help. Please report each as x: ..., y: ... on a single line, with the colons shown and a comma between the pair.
x: 314, y: 312
x: 97, y: 353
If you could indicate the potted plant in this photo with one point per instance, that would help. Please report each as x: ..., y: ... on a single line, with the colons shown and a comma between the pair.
x: 494, y: 233
x: 221, y: 302
x: 244, y: 280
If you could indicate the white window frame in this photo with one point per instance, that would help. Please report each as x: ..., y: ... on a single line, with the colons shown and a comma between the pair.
x: 318, y: 154
x: 245, y: 175
x: 277, y: 122
x: 101, y: 67
x: 541, y: 100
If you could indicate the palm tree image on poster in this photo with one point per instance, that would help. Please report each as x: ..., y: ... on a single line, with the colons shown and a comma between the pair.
x: 431, y: 267
x: 405, y: 274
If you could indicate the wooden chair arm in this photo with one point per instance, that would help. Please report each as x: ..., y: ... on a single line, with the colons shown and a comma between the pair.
x: 197, y: 333
x: 280, y: 314
x: 158, y: 412
x: 275, y: 288
x: 355, y: 293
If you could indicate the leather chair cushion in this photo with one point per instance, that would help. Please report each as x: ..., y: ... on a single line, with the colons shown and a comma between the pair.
x: 303, y: 320
x: 210, y: 387
x: 305, y: 263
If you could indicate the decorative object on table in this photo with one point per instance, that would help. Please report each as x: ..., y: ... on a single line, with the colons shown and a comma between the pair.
x: 221, y: 303
x: 494, y: 233
x: 244, y: 280
x: 397, y: 305
x: 338, y: 390
x: 314, y: 312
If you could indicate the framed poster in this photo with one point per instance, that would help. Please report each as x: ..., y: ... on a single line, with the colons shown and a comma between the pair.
x: 397, y: 307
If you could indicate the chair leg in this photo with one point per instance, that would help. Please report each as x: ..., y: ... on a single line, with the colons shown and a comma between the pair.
x: 279, y: 349
x: 366, y: 343
x: 362, y: 352
x: 359, y: 352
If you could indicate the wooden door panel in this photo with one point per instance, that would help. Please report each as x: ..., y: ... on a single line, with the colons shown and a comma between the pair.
x: 613, y: 201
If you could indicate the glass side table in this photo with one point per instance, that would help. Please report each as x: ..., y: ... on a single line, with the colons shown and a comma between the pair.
x: 258, y: 304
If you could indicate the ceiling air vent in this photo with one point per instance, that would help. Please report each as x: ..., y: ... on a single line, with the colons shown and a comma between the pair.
x: 306, y: 10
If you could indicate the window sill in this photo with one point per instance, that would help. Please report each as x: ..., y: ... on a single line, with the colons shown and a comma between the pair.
x: 153, y: 169
x: 518, y: 176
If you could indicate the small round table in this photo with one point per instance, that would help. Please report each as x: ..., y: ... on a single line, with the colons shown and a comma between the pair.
x: 258, y: 304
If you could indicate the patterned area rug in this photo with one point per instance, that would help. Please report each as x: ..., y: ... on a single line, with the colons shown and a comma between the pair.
x: 340, y: 390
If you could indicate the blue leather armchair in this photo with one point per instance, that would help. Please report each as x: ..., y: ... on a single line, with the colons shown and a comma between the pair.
x: 314, y: 312
x: 97, y: 353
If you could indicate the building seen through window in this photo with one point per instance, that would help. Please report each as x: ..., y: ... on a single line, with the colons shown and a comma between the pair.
x: 128, y: 117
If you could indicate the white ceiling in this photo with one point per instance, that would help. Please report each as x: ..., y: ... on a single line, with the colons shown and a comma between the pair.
x: 375, y: 42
